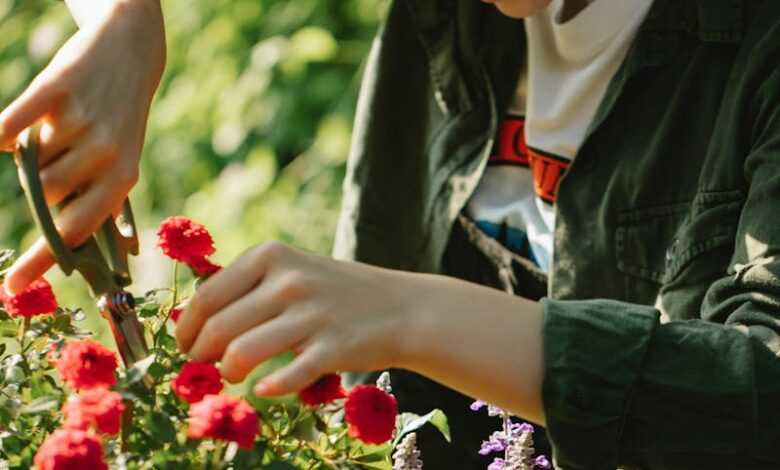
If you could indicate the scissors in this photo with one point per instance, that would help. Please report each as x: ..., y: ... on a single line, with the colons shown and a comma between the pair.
x: 102, y: 260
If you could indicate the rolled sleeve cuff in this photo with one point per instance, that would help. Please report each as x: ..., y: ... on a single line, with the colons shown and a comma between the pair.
x: 593, y: 354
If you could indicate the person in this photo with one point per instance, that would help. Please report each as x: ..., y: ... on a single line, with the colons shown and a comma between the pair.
x: 613, y: 164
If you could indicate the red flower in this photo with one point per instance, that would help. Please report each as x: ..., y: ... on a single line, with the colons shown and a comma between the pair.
x: 370, y: 413
x: 325, y: 390
x: 68, y: 449
x: 175, y: 314
x: 224, y: 418
x: 202, y: 267
x: 96, y: 408
x: 87, y: 364
x: 184, y: 240
x: 37, y: 299
x: 196, y: 380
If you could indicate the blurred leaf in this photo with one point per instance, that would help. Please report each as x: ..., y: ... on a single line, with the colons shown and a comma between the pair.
x: 410, y: 422
x: 39, y: 405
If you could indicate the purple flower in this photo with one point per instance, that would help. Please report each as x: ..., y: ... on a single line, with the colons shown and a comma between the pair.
x: 477, y: 405
x: 496, y: 444
x: 495, y: 411
x: 542, y: 462
x: 520, y: 428
x: 498, y: 464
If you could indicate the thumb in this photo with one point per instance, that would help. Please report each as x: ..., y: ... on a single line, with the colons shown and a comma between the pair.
x: 31, y: 105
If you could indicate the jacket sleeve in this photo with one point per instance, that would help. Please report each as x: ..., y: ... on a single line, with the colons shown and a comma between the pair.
x: 623, y: 389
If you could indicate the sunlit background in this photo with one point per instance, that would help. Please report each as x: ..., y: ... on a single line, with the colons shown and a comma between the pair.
x: 248, y: 133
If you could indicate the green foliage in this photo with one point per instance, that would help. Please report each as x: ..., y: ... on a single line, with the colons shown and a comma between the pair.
x: 249, y: 130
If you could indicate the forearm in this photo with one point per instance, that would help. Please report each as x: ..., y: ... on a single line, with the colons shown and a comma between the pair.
x: 480, y: 341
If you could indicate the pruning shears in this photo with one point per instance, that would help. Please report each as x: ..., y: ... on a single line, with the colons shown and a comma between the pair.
x: 102, y: 260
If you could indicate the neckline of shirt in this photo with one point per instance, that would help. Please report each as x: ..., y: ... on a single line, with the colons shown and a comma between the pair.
x: 590, y: 31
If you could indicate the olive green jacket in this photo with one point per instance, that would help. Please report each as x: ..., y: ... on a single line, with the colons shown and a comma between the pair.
x: 662, y: 321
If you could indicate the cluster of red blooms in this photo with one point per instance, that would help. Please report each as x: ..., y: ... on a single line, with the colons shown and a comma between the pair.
x: 188, y: 242
x: 37, y: 299
x: 89, y: 368
x: 369, y: 411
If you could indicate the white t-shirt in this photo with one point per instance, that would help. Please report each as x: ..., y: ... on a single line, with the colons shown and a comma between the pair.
x: 568, y: 69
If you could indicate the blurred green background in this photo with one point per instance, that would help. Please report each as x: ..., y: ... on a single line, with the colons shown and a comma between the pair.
x: 248, y: 133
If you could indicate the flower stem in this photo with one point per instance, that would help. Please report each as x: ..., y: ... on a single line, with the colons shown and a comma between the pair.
x: 23, y: 327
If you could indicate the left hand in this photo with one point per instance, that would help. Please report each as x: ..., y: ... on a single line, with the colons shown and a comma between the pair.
x: 336, y: 315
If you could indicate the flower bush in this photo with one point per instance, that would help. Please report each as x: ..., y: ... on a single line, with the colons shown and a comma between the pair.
x: 65, y: 401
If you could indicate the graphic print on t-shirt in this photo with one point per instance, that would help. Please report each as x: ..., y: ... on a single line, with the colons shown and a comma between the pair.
x: 512, y: 149
x: 569, y: 65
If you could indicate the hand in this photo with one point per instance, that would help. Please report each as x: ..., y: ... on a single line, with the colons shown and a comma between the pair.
x: 345, y: 316
x: 93, y: 99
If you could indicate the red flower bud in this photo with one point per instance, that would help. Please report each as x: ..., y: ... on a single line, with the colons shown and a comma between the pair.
x: 370, y: 414
x: 325, y: 390
x: 224, y: 418
x: 87, y: 364
x: 37, y: 299
x: 67, y: 449
x: 196, y: 380
x: 97, y: 408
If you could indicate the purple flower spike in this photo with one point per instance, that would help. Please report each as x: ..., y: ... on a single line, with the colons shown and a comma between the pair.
x: 477, y: 405
x: 498, y: 464
x: 542, y: 462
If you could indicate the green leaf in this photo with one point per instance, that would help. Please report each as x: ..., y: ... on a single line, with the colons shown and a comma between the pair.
x: 139, y: 370
x: 7, y: 258
x: 40, y: 405
x: 279, y: 465
x: 8, y: 329
x: 410, y: 422
x: 2, y: 349
x: 161, y: 427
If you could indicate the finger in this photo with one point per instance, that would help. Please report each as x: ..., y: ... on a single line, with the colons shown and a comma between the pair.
x: 38, y: 99
x: 299, y: 374
x: 55, y: 140
x: 77, y: 221
x: 263, y: 342
x: 255, y: 308
x: 72, y: 171
x: 223, y: 288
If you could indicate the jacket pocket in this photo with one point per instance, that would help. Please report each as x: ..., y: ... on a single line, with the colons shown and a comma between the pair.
x: 657, y: 243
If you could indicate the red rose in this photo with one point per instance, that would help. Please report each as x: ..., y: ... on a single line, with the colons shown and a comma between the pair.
x: 370, y: 413
x: 202, y: 267
x: 87, y: 364
x: 37, y: 299
x: 224, y: 418
x: 184, y: 240
x: 97, y: 408
x: 175, y: 314
x: 196, y: 380
x: 325, y: 390
x: 68, y: 449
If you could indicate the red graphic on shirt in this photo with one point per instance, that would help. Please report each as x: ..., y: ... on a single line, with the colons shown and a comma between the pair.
x: 511, y: 149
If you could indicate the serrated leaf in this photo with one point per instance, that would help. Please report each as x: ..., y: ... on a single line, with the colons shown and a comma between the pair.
x: 39, y: 405
x: 410, y: 422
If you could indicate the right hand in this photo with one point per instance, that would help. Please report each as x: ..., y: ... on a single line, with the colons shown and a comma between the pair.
x: 93, y: 99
